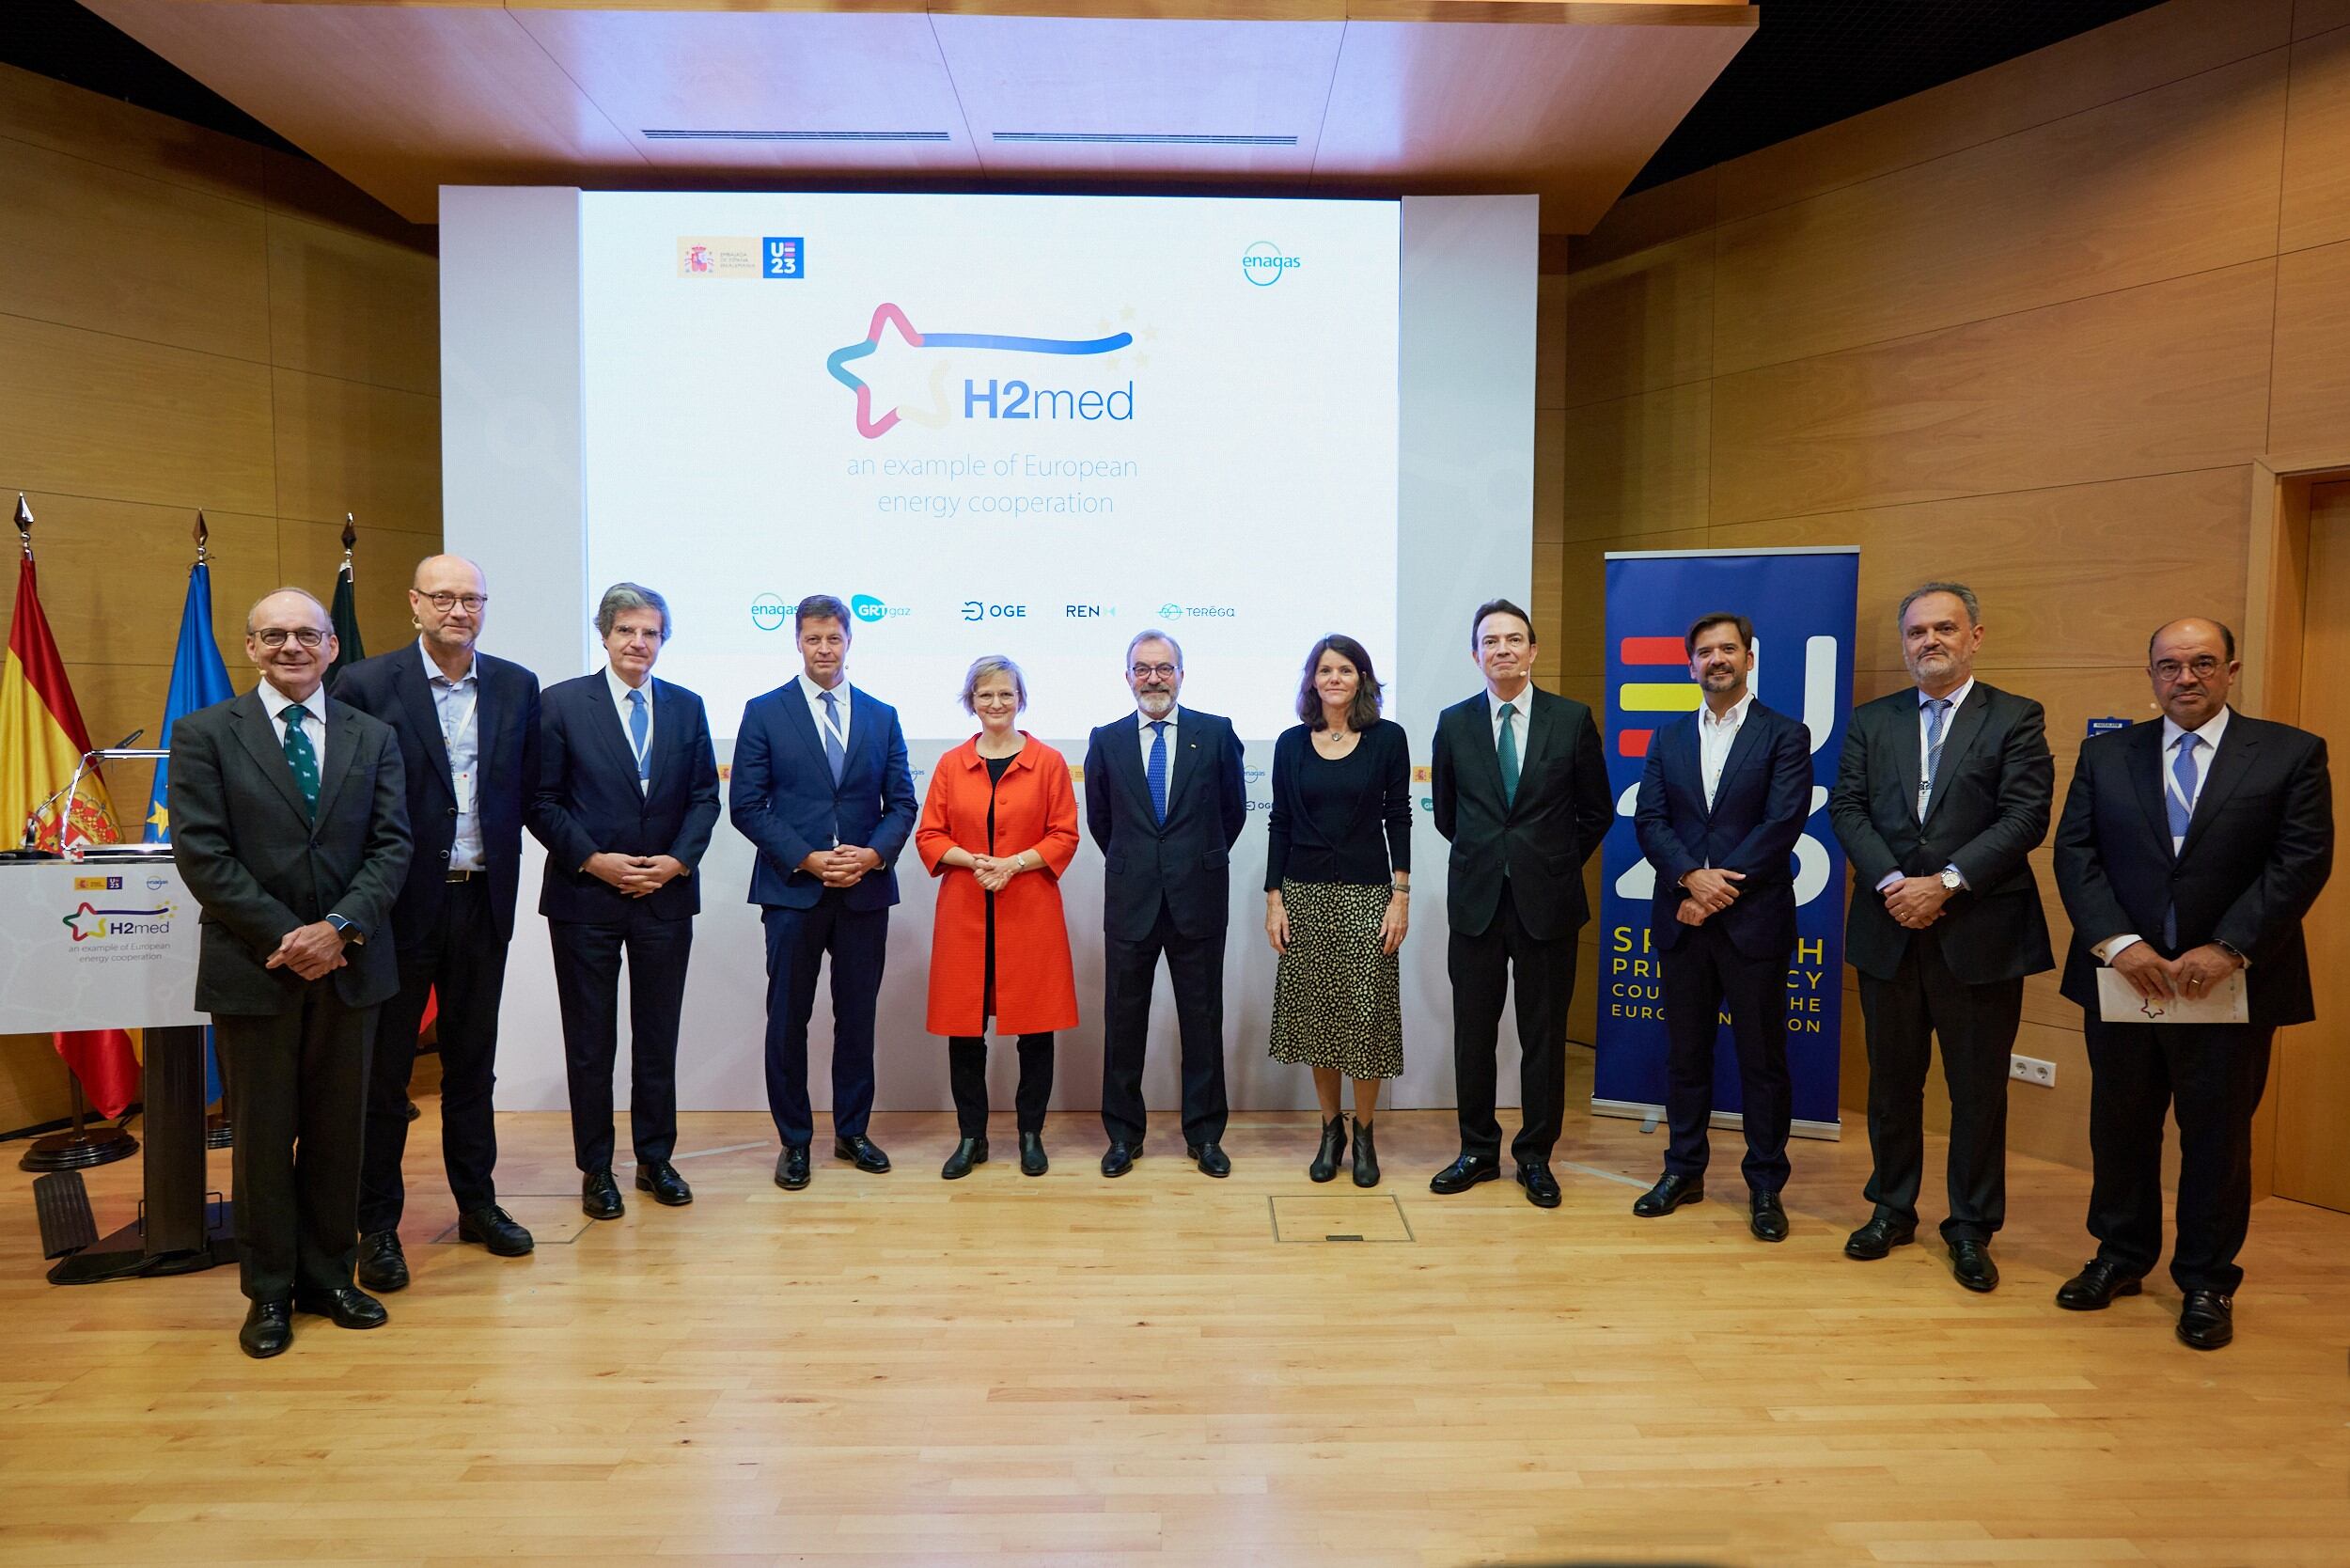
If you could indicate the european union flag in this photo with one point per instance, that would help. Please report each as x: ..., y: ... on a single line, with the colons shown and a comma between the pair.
x: 198, y: 680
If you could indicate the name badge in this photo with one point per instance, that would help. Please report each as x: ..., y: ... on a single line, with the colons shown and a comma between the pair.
x: 463, y: 779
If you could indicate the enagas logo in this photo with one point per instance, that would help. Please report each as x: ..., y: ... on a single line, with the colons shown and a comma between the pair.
x: 989, y: 398
x: 1263, y: 263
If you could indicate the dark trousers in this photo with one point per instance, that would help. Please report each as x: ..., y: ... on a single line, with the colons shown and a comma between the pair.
x: 463, y: 958
x: 588, y: 989
x: 966, y: 1072
x: 1483, y: 967
x: 797, y: 941
x: 1705, y: 976
x: 1195, y: 964
x: 297, y: 1094
x: 2211, y: 1076
x: 1977, y: 1027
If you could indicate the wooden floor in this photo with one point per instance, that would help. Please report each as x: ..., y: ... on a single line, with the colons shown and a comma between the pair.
x: 1169, y: 1370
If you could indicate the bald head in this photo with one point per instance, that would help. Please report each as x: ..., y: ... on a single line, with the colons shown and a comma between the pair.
x: 449, y: 574
x: 449, y: 599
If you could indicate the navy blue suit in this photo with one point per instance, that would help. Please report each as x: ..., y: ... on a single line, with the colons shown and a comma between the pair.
x: 783, y: 799
x: 1736, y: 958
x: 452, y: 936
x: 1167, y: 886
x: 586, y: 802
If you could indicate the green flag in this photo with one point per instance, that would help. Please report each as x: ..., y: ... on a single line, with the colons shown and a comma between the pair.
x: 344, y: 612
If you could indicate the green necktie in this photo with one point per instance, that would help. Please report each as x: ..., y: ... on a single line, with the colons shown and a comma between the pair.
x: 1508, y: 756
x: 302, y: 758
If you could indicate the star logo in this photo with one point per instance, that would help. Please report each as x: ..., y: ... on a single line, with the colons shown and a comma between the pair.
x: 89, y: 922
x: 872, y: 426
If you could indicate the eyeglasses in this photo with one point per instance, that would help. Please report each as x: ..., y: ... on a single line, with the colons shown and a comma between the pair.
x: 1144, y: 672
x: 2202, y: 668
x: 448, y: 602
x: 275, y: 636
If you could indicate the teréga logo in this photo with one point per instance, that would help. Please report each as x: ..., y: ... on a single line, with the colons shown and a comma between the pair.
x: 1263, y: 263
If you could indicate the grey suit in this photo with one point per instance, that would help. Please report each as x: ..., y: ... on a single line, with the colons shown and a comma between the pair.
x: 296, y: 1050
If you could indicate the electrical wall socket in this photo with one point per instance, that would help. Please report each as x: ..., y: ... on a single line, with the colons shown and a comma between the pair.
x: 2032, y: 1071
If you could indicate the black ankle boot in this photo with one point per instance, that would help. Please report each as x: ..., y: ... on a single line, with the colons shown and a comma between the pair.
x: 1366, y: 1157
x: 1333, y: 1149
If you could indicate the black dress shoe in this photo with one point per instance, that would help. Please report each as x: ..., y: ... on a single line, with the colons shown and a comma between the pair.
x: 494, y: 1228
x: 347, y: 1306
x: 1768, y: 1219
x: 1878, y: 1237
x: 382, y: 1264
x: 970, y: 1152
x: 862, y: 1152
x: 599, y: 1195
x: 1542, y: 1187
x: 1033, y: 1160
x: 268, y: 1330
x: 2206, y: 1320
x: 1970, y: 1261
x: 1211, y: 1158
x: 667, y: 1187
x: 2094, y: 1287
x: 1668, y: 1194
x: 1117, y: 1160
x: 1465, y: 1173
x: 1332, y: 1151
x: 791, y: 1168
x: 1367, y: 1156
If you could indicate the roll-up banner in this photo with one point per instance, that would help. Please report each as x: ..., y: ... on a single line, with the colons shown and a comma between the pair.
x: 1802, y: 603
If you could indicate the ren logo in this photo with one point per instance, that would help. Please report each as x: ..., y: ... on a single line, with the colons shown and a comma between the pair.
x: 1659, y: 700
x: 990, y: 400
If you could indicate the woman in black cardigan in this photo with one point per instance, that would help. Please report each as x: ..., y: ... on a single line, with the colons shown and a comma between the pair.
x: 1337, y: 893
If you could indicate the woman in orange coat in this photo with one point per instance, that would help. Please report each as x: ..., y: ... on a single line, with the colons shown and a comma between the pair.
x: 997, y: 829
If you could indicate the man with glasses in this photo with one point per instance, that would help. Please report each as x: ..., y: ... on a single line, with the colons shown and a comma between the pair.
x: 624, y: 799
x: 1164, y: 804
x: 2189, y: 850
x: 1942, y: 791
x: 290, y: 825
x: 469, y: 729
x: 821, y: 788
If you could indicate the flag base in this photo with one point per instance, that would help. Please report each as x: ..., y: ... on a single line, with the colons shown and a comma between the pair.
x: 124, y: 1255
x: 219, y: 1132
x: 79, y: 1149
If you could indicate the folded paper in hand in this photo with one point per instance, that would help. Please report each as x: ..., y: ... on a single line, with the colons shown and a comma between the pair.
x: 2119, y: 1004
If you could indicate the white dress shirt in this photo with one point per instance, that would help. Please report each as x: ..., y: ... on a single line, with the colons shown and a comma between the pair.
x: 2211, y: 731
x: 1957, y: 700
x: 314, y: 727
x: 1142, y: 730
x: 458, y: 705
x: 1716, y: 736
x: 815, y: 696
x: 620, y: 689
x: 1519, y: 704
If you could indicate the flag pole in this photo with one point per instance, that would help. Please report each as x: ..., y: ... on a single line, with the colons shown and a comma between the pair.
x: 219, y: 1130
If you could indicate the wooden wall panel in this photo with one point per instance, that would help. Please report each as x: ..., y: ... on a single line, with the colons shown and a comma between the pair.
x: 1638, y: 465
x: 344, y: 447
x: 347, y: 306
x: 1639, y: 324
x: 2317, y: 177
x: 2179, y: 180
x: 1550, y: 337
x: 2312, y: 17
x: 2169, y: 376
x: 311, y: 554
x: 114, y: 573
x: 2310, y: 402
x: 96, y: 414
x: 95, y: 248
x: 36, y: 112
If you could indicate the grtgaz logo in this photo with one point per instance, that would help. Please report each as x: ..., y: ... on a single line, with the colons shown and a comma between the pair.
x: 1263, y: 263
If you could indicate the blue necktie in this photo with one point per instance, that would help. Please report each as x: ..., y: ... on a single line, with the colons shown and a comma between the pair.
x: 640, y: 731
x: 1157, y: 770
x: 1508, y: 755
x: 1938, y: 709
x: 302, y: 758
x: 2182, y: 803
x: 835, y: 753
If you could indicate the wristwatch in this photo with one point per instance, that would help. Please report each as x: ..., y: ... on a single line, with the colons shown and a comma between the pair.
x: 347, y: 929
x: 1952, y: 881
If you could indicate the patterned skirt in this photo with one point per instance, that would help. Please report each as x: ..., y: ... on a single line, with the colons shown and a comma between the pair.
x: 1336, y: 997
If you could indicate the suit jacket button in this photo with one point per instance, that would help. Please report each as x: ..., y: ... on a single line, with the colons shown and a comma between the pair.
x: 452, y: 810
x: 445, y: 855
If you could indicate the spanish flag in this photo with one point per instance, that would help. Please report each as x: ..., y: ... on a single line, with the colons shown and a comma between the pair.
x: 41, y: 741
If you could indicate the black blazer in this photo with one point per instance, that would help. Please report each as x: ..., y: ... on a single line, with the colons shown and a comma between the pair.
x: 1541, y: 840
x: 1186, y: 860
x: 1375, y: 840
x: 1989, y: 811
x: 1757, y: 815
x: 2258, y: 851
x: 586, y: 801
x: 394, y: 687
x: 261, y: 867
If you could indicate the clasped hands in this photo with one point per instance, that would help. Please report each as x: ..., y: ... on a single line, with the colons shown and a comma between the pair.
x: 995, y: 871
x: 2193, y: 974
x: 310, y: 951
x: 1711, y: 891
x: 841, y: 866
x: 634, y: 874
x: 1917, y: 901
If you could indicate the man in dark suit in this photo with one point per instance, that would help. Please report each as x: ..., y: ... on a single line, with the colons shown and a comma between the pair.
x: 289, y: 823
x: 822, y: 787
x: 1722, y: 801
x: 469, y: 729
x: 625, y: 797
x: 2189, y: 850
x: 1165, y: 804
x: 1520, y: 791
x: 1942, y: 791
